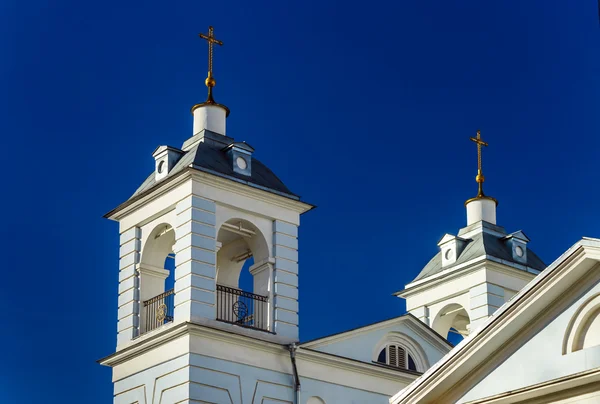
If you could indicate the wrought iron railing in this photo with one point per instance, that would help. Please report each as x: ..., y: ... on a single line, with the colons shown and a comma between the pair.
x: 159, y: 310
x: 242, y: 308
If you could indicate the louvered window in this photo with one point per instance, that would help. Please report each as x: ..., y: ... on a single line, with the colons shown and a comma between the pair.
x: 395, y: 355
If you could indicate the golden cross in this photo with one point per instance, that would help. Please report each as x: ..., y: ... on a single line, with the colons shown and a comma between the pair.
x: 210, y: 81
x: 480, y: 178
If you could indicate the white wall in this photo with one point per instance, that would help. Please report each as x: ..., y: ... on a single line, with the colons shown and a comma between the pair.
x: 364, y: 346
x: 540, y: 358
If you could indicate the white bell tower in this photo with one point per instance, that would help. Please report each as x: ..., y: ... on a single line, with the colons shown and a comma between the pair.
x: 474, y: 272
x: 212, y: 206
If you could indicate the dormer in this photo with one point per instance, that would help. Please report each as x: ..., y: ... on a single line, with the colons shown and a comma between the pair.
x: 451, y: 247
x: 165, y: 158
x: 240, y: 157
x: 517, y: 242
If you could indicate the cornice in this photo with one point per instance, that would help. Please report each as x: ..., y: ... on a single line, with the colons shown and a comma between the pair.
x: 148, y: 196
x: 251, y: 192
x: 408, y: 319
x: 183, y: 329
x: 554, y: 386
x: 482, y: 262
x: 365, y: 368
x: 458, y: 359
x: 209, y: 179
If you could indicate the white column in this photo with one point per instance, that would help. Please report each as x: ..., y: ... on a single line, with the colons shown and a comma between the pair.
x: 152, y: 283
x: 262, y: 274
x: 485, y: 299
x: 285, y: 250
x: 195, y: 260
x: 129, y: 292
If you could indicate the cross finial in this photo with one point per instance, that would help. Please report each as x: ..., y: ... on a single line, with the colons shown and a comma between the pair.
x: 210, y: 81
x: 479, y: 178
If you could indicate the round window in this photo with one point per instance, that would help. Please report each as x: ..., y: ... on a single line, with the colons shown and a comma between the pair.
x: 161, y: 167
x: 241, y: 163
x: 448, y: 254
x: 519, y: 251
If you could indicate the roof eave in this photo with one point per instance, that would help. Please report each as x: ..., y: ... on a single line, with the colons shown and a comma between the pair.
x: 112, y: 215
x: 438, y: 370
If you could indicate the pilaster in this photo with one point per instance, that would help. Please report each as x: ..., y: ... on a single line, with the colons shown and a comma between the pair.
x: 262, y: 272
x: 422, y: 313
x: 285, y: 251
x: 195, y: 259
x: 485, y: 299
x: 129, y: 291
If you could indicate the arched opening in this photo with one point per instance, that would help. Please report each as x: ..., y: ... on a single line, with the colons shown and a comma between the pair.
x: 244, y: 275
x: 157, y: 278
x: 397, y: 356
x: 399, y: 350
x: 584, y: 327
x: 452, y: 322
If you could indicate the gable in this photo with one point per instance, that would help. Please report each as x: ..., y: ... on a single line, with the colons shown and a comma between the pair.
x: 543, y: 354
x: 559, y: 306
x: 365, y: 344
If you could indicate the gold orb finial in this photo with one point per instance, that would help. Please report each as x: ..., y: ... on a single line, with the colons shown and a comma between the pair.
x: 479, y: 178
x: 210, y: 80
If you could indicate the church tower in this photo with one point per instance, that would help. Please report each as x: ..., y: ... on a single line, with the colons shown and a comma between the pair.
x: 215, y: 210
x: 474, y: 272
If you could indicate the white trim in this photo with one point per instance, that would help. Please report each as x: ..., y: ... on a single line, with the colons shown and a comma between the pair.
x: 177, y: 330
x: 206, y: 178
x: 574, y: 335
x: 411, y: 347
x: 483, y: 262
x: 554, y: 387
x: 413, y: 323
x: 509, y: 316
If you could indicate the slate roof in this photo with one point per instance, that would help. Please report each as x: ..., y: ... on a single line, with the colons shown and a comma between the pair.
x: 213, y: 159
x: 478, y: 245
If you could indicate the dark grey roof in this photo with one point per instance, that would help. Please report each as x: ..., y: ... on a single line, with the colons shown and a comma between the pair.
x: 479, y: 245
x: 213, y: 159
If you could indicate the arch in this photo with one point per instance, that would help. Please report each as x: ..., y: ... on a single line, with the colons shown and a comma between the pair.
x: 228, y: 215
x: 583, y: 330
x: 411, y: 346
x: 315, y: 400
x: 235, y: 246
x: 158, y: 245
x: 240, y: 243
x: 452, y: 316
x: 157, y: 248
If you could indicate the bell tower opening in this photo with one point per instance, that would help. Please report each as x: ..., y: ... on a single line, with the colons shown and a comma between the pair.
x: 244, y: 275
x: 157, y: 278
x: 452, y: 322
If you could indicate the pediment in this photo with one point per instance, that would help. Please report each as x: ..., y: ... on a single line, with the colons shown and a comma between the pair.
x: 522, y: 343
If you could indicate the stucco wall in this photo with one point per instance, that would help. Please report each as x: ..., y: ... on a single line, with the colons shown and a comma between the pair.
x: 197, y: 378
x: 364, y: 346
x: 540, y: 358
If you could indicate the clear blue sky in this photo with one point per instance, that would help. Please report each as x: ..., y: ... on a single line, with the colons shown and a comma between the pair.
x: 365, y: 109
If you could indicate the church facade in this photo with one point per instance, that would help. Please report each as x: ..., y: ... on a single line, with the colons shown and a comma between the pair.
x: 189, y: 332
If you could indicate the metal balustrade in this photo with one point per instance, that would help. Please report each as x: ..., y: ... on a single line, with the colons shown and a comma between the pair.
x: 242, y: 308
x: 159, y: 310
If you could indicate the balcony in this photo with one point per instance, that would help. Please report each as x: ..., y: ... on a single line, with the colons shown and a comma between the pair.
x: 158, y: 310
x: 242, y: 308
x: 234, y: 306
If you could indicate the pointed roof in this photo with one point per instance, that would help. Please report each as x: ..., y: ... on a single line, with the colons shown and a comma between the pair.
x: 502, y: 327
